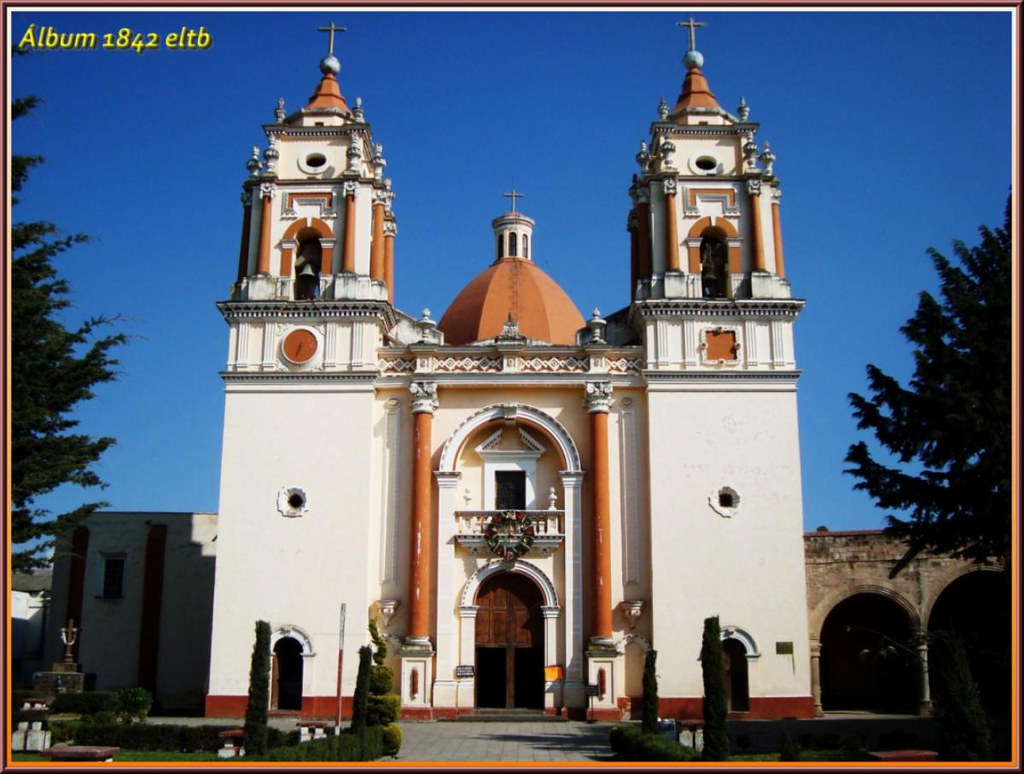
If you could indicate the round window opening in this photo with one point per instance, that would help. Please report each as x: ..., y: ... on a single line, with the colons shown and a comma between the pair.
x: 296, y: 500
x: 724, y: 501
x: 316, y: 160
x: 706, y: 163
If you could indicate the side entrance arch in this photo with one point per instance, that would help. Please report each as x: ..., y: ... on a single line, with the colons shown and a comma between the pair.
x: 286, y: 675
x: 509, y: 643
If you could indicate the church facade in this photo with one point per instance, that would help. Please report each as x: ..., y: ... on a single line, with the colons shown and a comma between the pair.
x: 526, y: 501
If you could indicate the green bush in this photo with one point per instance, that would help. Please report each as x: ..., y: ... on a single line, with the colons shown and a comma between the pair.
x: 392, y: 737
x: 381, y: 679
x: 366, y: 745
x: 631, y: 743
x: 29, y: 716
x: 383, y: 710
x: 146, y: 736
x: 789, y: 750
x: 650, y: 708
x: 963, y: 727
x: 133, y: 704
x: 87, y: 703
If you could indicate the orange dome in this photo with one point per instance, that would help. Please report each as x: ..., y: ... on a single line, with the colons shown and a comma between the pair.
x: 515, y: 286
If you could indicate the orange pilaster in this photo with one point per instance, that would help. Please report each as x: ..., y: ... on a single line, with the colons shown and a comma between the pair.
x: 389, y: 266
x: 671, y: 234
x: 780, y: 267
x: 348, y: 257
x: 377, y: 246
x: 419, y: 585
x: 755, y: 211
x: 602, y: 572
x: 263, y: 262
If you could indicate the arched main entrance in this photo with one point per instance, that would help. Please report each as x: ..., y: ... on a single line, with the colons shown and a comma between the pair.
x: 509, y: 643
x: 286, y: 675
x: 868, y: 656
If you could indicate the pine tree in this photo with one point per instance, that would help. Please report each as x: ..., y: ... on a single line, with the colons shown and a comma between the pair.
x: 53, y: 369
x: 255, y: 729
x: 716, y: 730
x: 948, y: 432
x: 649, y: 722
x: 963, y: 727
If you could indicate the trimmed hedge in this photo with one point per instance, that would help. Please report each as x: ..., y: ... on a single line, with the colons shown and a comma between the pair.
x: 392, y: 737
x: 383, y: 710
x: 88, y: 703
x: 630, y: 743
x: 365, y: 745
x: 172, y: 738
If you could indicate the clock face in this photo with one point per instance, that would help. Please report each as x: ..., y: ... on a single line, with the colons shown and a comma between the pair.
x: 300, y: 346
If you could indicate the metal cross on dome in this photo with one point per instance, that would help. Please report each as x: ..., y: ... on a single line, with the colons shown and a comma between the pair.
x: 332, y: 29
x: 513, y: 196
x: 692, y: 25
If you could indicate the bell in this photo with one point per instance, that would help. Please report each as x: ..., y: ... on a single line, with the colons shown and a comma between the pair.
x: 307, y: 270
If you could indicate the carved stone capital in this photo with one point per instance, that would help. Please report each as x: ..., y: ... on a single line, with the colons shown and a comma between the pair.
x: 246, y: 198
x: 390, y: 228
x: 754, y: 187
x: 268, y: 190
x: 598, y: 397
x: 776, y: 194
x: 349, y: 187
x: 424, y: 397
x: 668, y: 186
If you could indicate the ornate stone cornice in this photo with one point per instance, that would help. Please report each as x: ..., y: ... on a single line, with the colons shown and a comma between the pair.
x: 786, y: 308
x: 424, y: 397
x: 291, y: 310
x: 277, y: 377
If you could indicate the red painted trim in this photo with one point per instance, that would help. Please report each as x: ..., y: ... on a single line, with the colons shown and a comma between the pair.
x: 419, y: 713
x: 761, y: 708
x: 320, y: 707
x: 152, y: 606
x: 225, y: 706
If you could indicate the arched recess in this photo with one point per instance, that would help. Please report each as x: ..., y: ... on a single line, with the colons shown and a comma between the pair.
x: 291, y: 239
x: 976, y: 608
x: 721, y: 229
x: 516, y: 412
x: 869, y: 654
x: 289, y: 630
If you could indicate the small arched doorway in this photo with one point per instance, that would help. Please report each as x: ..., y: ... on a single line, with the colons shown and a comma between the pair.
x: 286, y: 675
x: 737, y: 680
x: 868, y: 656
x: 509, y: 643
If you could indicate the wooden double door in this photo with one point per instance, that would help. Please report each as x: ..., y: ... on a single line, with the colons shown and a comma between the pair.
x: 509, y: 644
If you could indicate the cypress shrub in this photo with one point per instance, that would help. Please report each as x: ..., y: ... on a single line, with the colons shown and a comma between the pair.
x: 716, y: 731
x: 381, y: 679
x: 649, y: 723
x: 255, y: 739
x: 963, y: 728
x: 631, y: 743
x: 383, y: 710
x: 362, y: 694
x: 392, y: 739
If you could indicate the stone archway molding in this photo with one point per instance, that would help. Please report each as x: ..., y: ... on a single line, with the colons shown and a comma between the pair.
x: 512, y: 412
x: 520, y: 567
x: 827, y: 605
x: 297, y: 634
x: 743, y: 637
x: 633, y: 639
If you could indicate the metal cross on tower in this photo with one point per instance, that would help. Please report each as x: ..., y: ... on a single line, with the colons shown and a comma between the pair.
x: 513, y: 196
x: 332, y: 29
x: 692, y: 25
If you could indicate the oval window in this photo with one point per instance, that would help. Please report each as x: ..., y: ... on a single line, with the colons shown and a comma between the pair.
x: 316, y: 160
x: 706, y: 163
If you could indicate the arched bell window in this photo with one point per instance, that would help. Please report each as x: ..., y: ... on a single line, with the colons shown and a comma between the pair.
x: 501, y: 245
x: 513, y: 248
x: 526, y: 246
x: 714, y: 264
x: 307, y: 268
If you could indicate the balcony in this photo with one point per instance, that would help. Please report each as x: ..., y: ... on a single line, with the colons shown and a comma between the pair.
x: 549, y: 529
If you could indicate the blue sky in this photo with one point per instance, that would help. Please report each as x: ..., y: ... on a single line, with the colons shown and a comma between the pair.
x: 893, y: 132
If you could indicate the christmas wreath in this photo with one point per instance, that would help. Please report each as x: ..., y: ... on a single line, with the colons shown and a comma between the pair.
x: 509, y: 534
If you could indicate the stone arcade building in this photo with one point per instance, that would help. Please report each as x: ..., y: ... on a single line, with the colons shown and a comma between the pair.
x: 526, y: 501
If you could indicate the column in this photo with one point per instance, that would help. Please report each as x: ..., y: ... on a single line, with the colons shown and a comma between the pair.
x: 243, y: 247
x: 390, y: 229
x: 780, y: 267
x: 573, y: 694
x: 377, y: 244
x: 754, y: 190
x: 554, y: 692
x: 671, y: 226
x: 816, y: 677
x: 424, y: 401
x: 925, y: 707
x: 267, y: 193
x: 447, y: 642
x: 348, y: 255
x: 597, y: 401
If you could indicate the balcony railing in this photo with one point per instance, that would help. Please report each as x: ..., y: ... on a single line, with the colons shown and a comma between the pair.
x: 549, y: 529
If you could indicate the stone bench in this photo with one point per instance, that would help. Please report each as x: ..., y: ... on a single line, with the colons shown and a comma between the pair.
x: 312, y: 729
x: 903, y: 755
x: 80, y: 753
x: 232, y: 743
x: 30, y: 737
